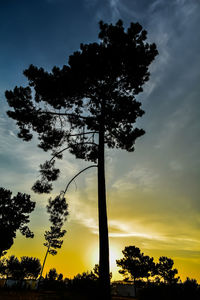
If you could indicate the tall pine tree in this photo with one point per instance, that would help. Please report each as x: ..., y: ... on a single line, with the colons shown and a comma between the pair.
x: 87, y: 105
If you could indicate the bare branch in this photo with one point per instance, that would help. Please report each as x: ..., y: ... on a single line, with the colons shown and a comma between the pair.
x: 64, y: 192
x: 64, y: 114
x: 59, y: 153
x: 84, y: 133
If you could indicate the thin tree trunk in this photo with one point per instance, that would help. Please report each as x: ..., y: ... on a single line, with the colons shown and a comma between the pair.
x: 104, y: 273
x: 43, y: 265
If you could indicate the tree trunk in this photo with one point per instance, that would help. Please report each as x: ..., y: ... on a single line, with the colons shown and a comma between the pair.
x: 104, y: 273
x: 43, y: 265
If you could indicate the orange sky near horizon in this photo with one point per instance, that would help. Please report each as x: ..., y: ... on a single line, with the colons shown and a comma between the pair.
x: 79, y: 252
x: 77, y: 258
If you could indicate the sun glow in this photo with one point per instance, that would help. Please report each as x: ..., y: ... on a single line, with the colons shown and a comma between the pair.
x: 114, y: 254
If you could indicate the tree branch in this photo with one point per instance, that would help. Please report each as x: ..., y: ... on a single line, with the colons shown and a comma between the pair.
x: 84, y: 133
x: 64, y: 114
x: 84, y: 143
x: 64, y: 192
x: 58, y: 153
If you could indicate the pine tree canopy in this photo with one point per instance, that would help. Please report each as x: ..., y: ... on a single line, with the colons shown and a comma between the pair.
x: 67, y: 106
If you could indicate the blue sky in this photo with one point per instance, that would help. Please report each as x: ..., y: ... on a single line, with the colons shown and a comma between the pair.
x: 153, y: 193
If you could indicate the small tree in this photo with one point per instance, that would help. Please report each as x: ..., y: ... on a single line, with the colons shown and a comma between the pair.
x: 58, y: 211
x: 30, y: 267
x: 60, y: 277
x: 164, y: 269
x: 13, y: 268
x: 14, y: 215
x: 190, y: 283
x: 135, y: 264
x: 52, y: 275
x: 85, y: 281
x: 86, y: 105
x: 148, y: 266
x: 96, y: 271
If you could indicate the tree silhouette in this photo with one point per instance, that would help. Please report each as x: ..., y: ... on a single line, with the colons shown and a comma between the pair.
x: 25, y: 268
x: 14, y: 215
x: 96, y: 271
x: 60, y: 277
x: 86, y: 282
x: 58, y: 210
x: 13, y: 268
x: 164, y: 268
x: 86, y: 105
x: 30, y: 267
x: 149, y: 266
x: 135, y: 264
x: 52, y: 275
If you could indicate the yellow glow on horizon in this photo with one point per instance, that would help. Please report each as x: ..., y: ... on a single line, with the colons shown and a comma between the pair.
x: 114, y: 254
x: 80, y: 250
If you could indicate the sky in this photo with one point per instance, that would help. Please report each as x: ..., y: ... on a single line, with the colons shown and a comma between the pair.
x: 152, y: 193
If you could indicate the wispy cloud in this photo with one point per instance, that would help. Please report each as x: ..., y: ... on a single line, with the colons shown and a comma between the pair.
x: 139, y: 177
x: 115, y: 10
x: 125, y: 230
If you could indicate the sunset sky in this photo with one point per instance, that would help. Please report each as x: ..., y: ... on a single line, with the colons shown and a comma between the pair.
x: 153, y: 193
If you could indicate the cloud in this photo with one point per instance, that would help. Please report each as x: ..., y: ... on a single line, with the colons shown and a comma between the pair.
x: 139, y: 177
x: 149, y: 225
x: 125, y: 230
x: 114, y: 6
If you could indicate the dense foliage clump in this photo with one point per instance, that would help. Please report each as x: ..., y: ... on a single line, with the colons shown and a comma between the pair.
x: 14, y: 215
